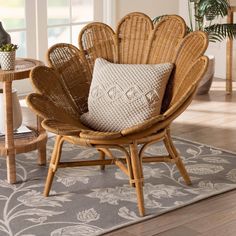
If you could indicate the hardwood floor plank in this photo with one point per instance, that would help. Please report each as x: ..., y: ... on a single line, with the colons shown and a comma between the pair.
x: 228, y: 229
x: 122, y: 233
x: 218, y: 219
x: 178, y: 231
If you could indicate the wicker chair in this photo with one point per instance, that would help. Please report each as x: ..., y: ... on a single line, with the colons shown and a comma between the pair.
x: 62, y: 91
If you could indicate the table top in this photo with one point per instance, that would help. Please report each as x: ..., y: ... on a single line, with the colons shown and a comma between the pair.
x: 22, y: 69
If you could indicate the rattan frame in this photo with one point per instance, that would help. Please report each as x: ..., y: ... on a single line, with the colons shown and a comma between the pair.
x: 62, y: 91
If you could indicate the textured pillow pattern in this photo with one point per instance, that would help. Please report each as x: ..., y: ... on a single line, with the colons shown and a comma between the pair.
x: 123, y: 95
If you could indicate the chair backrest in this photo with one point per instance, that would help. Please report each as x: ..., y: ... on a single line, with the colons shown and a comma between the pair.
x: 136, y: 41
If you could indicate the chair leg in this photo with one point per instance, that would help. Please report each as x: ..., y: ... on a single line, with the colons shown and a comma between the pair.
x: 56, y: 155
x: 138, y: 180
x: 102, y: 157
x: 131, y: 174
x: 175, y: 155
x: 130, y: 170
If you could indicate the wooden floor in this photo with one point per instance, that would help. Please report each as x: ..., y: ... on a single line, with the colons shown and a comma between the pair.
x: 211, y: 119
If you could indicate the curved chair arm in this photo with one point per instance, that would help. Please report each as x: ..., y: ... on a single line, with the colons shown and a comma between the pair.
x: 96, y: 135
x: 42, y: 106
x: 178, y: 106
x: 161, y: 121
x: 143, y: 126
x: 62, y: 128
x: 179, y: 102
x: 48, y: 110
x: 55, y: 120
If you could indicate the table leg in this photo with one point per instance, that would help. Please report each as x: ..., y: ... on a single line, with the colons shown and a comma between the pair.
x: 9, y: 137
x: 42, y: 155
x: 229, y: 57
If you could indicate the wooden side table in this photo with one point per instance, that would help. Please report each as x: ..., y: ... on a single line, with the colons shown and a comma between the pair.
x: 12, y: 146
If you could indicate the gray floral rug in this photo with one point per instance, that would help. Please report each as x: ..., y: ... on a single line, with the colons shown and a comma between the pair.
x: 87, y: 201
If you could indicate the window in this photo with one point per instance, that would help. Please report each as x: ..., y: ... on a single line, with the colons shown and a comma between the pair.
x: 66, y: 19
x: 36, y: 25
x: 14, y: 21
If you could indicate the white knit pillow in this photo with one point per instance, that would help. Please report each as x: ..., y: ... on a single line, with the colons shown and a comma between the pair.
x: 123, y: 95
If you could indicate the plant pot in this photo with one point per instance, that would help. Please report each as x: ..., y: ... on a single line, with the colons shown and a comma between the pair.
x: 17, y: 114
x: 205, y: 84
x: 7, y: 60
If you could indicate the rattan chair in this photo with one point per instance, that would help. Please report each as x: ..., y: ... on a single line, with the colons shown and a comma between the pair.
x: 62, y: 91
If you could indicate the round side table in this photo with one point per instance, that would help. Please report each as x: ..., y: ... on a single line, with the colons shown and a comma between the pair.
x: 12, y: 145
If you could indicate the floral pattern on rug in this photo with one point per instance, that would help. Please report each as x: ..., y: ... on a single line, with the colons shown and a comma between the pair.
x: 88, y: 201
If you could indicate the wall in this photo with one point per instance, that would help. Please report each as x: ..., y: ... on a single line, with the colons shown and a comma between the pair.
x: 216, y: 49
x: 150, y: 7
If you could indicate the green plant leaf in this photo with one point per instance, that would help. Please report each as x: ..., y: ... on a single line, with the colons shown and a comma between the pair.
x: 213, y: 8
x: 8, y: 47
x: 204, y: 12
x: 158, y: 19
x: 219, y: 32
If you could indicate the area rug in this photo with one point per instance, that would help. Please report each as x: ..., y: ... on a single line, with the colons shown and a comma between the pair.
x: 87, y: 201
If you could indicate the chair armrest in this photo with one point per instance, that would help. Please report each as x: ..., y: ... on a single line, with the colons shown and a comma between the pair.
x: 177, y: 106
x: 48, y: 110
x: 191, y: 80
x: 96, y: 135
x: 143, y: 126
x: 62, y: 128
x: 55, y: 119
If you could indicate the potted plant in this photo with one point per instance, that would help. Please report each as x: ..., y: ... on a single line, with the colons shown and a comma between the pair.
x: 8, y: 56
x: 7, y: 61
x: 205, y: 15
